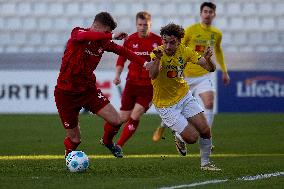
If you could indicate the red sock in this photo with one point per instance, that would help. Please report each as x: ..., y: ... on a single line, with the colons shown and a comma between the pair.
x: 109, y: 132
x: 128, y: 130
x: 69, y: 145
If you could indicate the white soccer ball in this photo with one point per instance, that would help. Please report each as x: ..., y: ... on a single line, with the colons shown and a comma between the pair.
x: 77, y: 161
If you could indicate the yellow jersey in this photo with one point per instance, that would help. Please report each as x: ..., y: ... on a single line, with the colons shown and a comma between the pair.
x: 170, y: 87
x: 199, y: 37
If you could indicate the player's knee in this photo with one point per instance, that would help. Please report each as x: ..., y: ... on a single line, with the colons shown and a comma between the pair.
x: 205, y: 133
x: 124, y: 118
x: 137, y: 113
x: 116, y: 122
x: 76, y: 140
x: 209, y: 105
x: 191, y: 139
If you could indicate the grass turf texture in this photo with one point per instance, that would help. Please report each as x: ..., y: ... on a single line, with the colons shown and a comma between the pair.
x: 31, y: 154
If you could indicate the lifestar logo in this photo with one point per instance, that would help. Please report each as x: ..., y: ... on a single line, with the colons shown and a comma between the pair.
x: 261, y: 86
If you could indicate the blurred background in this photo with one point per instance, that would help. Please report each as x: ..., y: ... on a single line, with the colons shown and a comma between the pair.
x: 33, y: 34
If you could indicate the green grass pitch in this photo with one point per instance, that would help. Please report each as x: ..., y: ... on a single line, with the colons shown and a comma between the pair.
x: 31, y: 155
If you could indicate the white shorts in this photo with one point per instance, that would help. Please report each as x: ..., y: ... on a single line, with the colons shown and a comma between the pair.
x: 175, y: 117
x: 200, y: 84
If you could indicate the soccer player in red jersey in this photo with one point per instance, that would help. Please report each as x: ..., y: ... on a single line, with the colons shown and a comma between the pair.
x: 138, y: 91
x: 76, y: 83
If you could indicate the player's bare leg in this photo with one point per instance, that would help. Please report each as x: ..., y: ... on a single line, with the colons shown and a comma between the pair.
x: 189, y: 135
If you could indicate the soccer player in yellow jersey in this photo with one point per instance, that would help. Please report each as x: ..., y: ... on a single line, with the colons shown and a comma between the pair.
x: 173, y: 100
x: 199, y: 37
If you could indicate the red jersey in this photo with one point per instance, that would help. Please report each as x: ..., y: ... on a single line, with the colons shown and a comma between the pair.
x: 83, y: 52
x: 142, y: 47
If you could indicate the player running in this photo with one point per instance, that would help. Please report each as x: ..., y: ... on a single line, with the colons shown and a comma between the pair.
x: 172, y: 98
x: 138, y: 92
x: 76, y: 84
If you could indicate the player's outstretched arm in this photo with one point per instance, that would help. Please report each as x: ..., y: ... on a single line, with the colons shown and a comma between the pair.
x: 83, y: 35
x: 124, y: 52
x: 206, y: 62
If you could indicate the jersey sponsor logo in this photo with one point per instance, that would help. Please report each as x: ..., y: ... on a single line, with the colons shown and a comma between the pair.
x: 171, y: 67
x: 174, y: 67
x: 172, y: 74
x: 200, y: 41
x: 175, y: 71
x: 261, y: 86
x: 142, y: 53
x: 98, y: 53
x: 200, y: 48
x: 94, y: 52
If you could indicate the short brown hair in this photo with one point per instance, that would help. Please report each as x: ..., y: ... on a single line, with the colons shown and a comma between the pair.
x: 144, y: 15
x: 172, y: 29
x: 106, y: 19
x: 207, y: 4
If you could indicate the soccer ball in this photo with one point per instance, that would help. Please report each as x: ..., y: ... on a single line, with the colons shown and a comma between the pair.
x: 77, y: 161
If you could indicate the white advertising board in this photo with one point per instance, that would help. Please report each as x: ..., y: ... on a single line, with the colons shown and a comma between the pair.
x: 32, y: 91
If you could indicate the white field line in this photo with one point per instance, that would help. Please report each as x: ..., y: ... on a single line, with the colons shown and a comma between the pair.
x: 195, y: 184
x: 43, y: 157
x: 262, y: 176
x: 245, y: 178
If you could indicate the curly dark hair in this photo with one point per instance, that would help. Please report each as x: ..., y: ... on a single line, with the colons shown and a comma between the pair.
x: 106, y: 19
x: 172, y: 29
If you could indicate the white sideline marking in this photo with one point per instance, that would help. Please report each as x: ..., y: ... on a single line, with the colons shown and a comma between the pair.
x: 245, y: 178
x: 262, y: 176
x: 195, y: 184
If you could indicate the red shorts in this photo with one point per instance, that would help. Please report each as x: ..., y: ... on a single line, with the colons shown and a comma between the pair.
x: 139, y: 94
x: 69, y: 104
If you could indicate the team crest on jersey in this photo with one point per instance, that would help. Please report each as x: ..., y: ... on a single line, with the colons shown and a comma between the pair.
x: 66, y: 124
x: 180, y: 60
x: 100, y: 50
x: 135, y: 46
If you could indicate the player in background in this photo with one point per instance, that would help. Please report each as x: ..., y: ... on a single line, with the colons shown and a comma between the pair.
x: 138, y: 92
x: 173, y: 100
x: 76, y: 83
x: 199, y: 37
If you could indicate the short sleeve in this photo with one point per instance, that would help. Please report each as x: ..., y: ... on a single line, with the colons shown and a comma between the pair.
x: 192, y: 56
